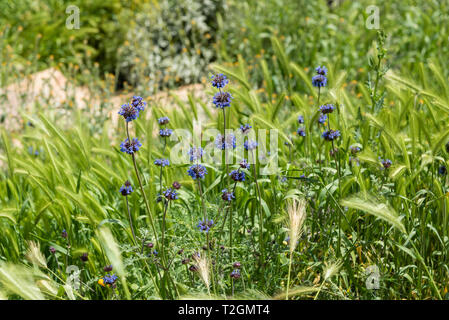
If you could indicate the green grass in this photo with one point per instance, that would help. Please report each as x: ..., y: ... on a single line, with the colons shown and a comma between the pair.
x: 357, y: 213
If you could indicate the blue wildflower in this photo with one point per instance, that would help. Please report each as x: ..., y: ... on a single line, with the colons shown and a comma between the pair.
x: 330, y: 135
x: 245, y: 128
x: 301, y: 132
x: 110, y: 279
x: 222, y: 99
x: 138, y: 103
x: 205, y: 225
x: 321, y: 70
x: 355, y: 149
x: 442, y: 170
x: 237, y: 175
x: 163, y: 120
x: 162, y: 162
x: 227, y: 195
x: 219, y: 80
x: 386, y: 163
x: 126, y: 189
x: 235, y: 274
x: 244, y: 164
x: 197, y: 171
x: 165, y: 132
x: 129, y: 112
x: 327, y: 108
x: 195, y: 153
x: 130, y: 147
x: 250, y: 144
x: 322, y: 119
x: 225, y: 142
x: 64, y: 234
x: 300, y: 119
x: 170, y: 194
x: 319, y: 81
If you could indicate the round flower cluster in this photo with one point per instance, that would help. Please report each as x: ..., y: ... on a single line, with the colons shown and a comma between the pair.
x: 327, y: 108
x: 386, y: 163
x: 130, y: 147
x: 165, y: 132
x: 226, y: 195
x: 300, y: 119
x: 130, y: 111
x: 244, y: 164
x: 331, y: 135
x: 162, y: 162
x: 235, y: 274
x: 355, y: 149
x: 126, y: 189
x: 195, y: 153
x: 219, y: 80
x: 301, y: 132
x: 170, y: 194
x: 205, y: 225
x: 237, y: 175
x: 163, y: 120
x: 245, y: 128
x: 197, y: 171
x: 322, y: 119
x: 320, y: 80
x: 222, y: 100
x: 250, y: 145
x: 225, y: 142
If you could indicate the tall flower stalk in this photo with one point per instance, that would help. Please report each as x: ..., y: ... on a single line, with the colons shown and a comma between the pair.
x: 130, y: 111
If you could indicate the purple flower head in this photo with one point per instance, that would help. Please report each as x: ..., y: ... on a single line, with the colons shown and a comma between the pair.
x: 235, y: 274
x: 130, y: 147
x: 222, y: 99
x: 165, y: 132
x: 301, y: 132
x: 321, y: 70
x: 327, y: 108
x: 237, y: 175
x: 205, y: 225
x: 129, y: 112
x: 162, y: 162
x: 219, y: 80
x: 442, y: 170
x: 52, y: 250
x: 245, y: 128
x: 197, y: 171
x: 385, y: 163
x: 225, y: 142
x: 64, y: 234
x: 126, y: 189
x: 250, y: 144
x: 226, y: 195
x: 171, y: 194
x: 244, y: 164
x: 330, y: 135
x: 138, y: 103
x: 108, y: 268
x: 195, y: 153
x: 163, y: 120
x: 300, y: 119
x: 176, y: 185
x: 322, y: 119
x: 319, y: 81
x: 110, y: 279
x: 355, y: 149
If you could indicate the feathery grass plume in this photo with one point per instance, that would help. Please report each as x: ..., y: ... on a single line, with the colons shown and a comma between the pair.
x: 295, y: 291
x: 17, y: 279
x: 112, y: 251
x: 47, y: 287
x: 296, y: 210
x: 34, y: 255
x: 203, y: 268
x: 371, y: 205
x: 332, y: 269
